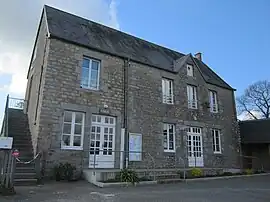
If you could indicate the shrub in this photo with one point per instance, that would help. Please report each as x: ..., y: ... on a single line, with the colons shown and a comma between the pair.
x: 127, y: 175
x: 196, y: 172
x: 64, y: 172
x: 249, y: 171
x: 227, y: 174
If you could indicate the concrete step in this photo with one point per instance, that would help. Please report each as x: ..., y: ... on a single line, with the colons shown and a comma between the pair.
x: 25, y: 182
x: 25, y: 175
x: 29, y: 169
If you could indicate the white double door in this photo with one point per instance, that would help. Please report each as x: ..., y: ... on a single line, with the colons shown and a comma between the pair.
x: 102, y: 142
x: 194, y: 146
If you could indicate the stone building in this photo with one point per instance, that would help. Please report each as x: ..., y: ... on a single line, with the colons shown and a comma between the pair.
x: 255, y: 140
x: 94, y: 92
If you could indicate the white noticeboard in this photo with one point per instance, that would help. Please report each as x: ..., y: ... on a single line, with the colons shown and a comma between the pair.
x: 135, y: 147
x: 6, y: 142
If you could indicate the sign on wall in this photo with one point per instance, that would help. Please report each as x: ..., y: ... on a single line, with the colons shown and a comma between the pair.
x: 135, y: 147
x: 6, y: 142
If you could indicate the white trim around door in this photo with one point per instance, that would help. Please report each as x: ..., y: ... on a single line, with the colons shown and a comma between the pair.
x: 102, y: 142
x: 194, y: 147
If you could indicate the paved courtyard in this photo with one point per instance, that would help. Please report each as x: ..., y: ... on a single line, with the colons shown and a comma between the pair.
x: 231, y: 190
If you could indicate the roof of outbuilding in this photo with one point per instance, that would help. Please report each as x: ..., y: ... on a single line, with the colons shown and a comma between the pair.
x: 90, y: 34
x: 255, y: 131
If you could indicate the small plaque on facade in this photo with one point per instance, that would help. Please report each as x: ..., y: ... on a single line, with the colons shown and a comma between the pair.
x: 104, y: 111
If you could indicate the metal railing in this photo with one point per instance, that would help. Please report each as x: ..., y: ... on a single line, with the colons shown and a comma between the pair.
x: 16, y: 103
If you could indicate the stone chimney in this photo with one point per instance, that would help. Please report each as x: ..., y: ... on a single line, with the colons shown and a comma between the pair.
x: 198, y: 56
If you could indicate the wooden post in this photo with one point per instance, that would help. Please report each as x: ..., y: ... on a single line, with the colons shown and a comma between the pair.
x: 7, y: 186
x: 38, y: 169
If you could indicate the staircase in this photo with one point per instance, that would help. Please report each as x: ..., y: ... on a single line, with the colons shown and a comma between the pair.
x: 18, y: 128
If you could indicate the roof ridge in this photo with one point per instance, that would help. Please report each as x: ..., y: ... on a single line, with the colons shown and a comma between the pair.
x: 100, y: 24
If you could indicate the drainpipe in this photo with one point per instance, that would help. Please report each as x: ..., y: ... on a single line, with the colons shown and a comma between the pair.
x: 125, y: 125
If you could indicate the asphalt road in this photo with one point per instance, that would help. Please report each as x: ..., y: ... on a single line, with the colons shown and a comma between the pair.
x: 255, y: 189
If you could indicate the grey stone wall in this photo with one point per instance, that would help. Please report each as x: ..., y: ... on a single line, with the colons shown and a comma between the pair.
x: 60, y: 91
x: 147, y: 113
x: 33, y: 96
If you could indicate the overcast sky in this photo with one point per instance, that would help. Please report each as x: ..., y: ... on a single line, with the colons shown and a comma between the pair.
x: 19, y: 21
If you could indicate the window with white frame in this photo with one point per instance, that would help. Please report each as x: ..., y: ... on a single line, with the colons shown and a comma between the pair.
x: 90, y: 73
x: 216, y: 141
x: 213, y: 101
x: 169, y: 137
x: 167, y: 91
x: 192, y: 96
x: 73, y: 130
x: 190, y: 71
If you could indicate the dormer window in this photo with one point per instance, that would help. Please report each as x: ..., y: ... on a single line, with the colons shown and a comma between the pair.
x: 190, y: 70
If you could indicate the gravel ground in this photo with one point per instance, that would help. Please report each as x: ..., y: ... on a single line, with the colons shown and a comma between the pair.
x: 246, y: 189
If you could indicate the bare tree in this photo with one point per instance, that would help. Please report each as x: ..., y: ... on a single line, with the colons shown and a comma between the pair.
x: 256, y: 98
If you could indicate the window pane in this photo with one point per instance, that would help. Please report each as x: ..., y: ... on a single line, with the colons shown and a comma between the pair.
x: 111, y: 130
x: 218, y: 148
x: 171, y: 137
x: 77, y: 141
x: 94, y: 118
x: 86, y: 62
x: 68, y: 116
x: 78, y: 117
x: 105, y: 130
x: 98, y: 129
x: 171, y: 146
x: 95, y: 65
x: 67, y: 128
x: 66, y: 140
x: 85, y: 77
x: 78, y: 129
x: 99, y: 119
x: 93, y: 83
x: 106, y: 120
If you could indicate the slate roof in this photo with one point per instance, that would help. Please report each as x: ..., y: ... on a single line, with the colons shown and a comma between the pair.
x: 255, y: 131
x: 90, y: 34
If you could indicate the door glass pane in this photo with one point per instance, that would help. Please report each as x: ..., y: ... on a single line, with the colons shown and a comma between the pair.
x: 110, y: 144
x: 111, y: 120
x: 93, y: 129
x: 77, y: 141
x: 67, y: 128
x: 93, y: 136
x: 66, y: 140
x: 68, y: 117
x: 97, y: 136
